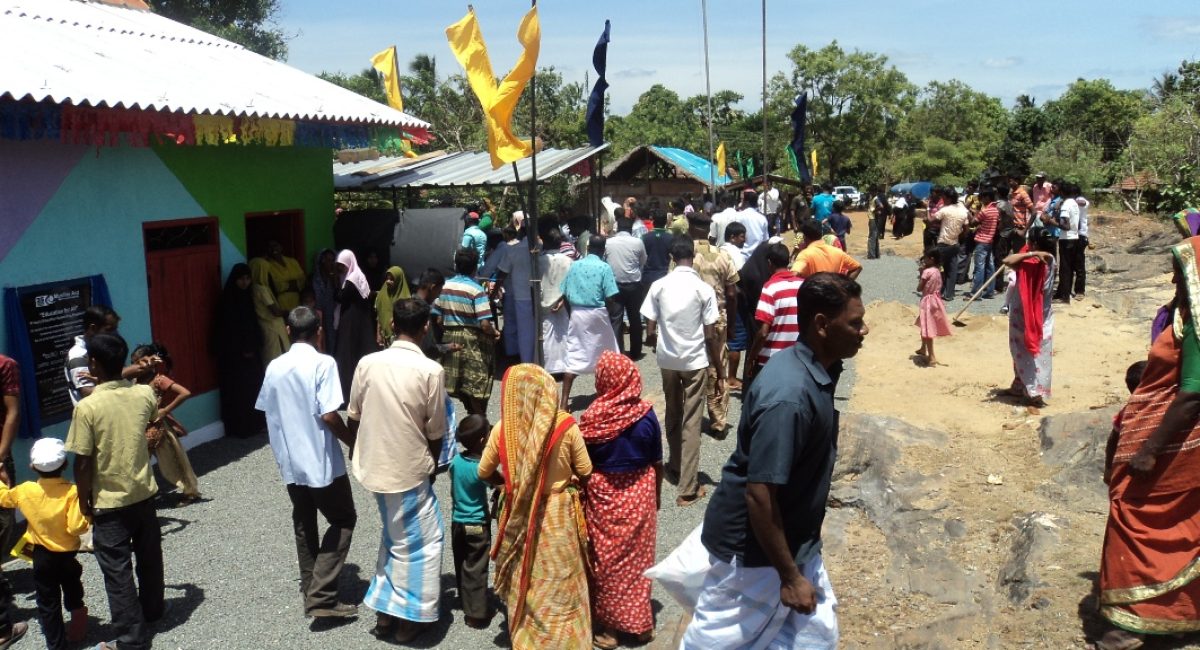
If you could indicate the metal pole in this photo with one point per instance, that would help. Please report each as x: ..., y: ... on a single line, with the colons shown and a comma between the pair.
x: 712, y: 170
x: 764, y: 89
x: 531, y: 221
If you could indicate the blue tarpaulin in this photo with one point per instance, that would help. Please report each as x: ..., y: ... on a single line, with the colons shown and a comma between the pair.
x: 695, y: 166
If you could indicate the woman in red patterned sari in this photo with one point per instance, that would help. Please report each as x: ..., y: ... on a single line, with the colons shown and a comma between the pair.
x: 624, y: 442
x: 1151, y: 555
x: 540, y: 555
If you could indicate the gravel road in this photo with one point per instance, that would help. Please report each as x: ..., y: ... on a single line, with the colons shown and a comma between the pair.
x: 230, y: 561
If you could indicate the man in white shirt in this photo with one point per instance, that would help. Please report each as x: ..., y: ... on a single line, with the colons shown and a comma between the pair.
x: 301, y: 394
x: 754, y: 221
x: 735, y: 241
x: 1068, y: 241
x: 1081, y: 249
x: 727, y: 215
x: 953, y: 218
x: 555, y: 317
x: 687, y: 309
x: 626, y: 255
x: 397, y: 416
x: 770, y: 205
x: 96, y: 319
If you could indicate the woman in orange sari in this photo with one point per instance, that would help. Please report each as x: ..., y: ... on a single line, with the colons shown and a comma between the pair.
x: 1151, y: 554
x: 537, y: 453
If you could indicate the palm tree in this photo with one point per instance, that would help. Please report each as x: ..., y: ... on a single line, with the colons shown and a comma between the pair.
x: 1163, y: 87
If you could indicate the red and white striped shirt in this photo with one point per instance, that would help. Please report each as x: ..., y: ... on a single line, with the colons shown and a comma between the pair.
x: 778, y: 306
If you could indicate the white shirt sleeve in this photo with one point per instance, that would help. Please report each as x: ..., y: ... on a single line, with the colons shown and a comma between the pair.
x: 711, y: 315
x: 329, y: 387
x: 649, y: 307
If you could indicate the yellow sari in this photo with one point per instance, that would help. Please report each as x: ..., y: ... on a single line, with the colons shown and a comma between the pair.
x: 275, y: 337
x: 282, y: 274
x: 541, y: 544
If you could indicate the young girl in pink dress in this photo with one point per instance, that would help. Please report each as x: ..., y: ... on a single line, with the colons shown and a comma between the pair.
x: 931, y: 319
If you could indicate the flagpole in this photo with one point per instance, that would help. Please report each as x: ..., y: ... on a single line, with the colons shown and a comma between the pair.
x: 764, y: 91
x: 712, y: 171
x: 531, y: 221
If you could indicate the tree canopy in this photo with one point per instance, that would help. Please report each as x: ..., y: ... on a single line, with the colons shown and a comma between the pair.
x: 249, y: 23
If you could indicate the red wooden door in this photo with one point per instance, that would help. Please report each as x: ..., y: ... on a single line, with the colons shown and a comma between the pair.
x: 183, y: 277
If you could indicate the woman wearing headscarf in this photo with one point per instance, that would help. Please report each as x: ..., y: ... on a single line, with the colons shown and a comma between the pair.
x: 537, y: 453
x: 1151, y: 551
x: 324, y: 283
x: 1031, y: 317
x: 353, y: 319
x: 624, y: 443
x: 269, y: 313
x: 237, y: 341
x: 395, y: 287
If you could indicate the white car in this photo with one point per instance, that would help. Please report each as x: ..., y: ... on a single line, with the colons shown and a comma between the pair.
x: 849, y: 194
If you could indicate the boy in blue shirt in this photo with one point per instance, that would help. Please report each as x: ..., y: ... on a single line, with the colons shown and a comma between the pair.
x: 470, y: 530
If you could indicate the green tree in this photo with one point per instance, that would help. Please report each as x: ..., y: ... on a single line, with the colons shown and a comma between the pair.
x: 366, y: 83
x: 1071, y: 156
x: 951, y: 133
x: 1097, y: 111
x: 855, y: 101
x: 249, y: 23
x: 1164, y: 145
x: 660, y: 118
x: 1028, y: 126
x: 560, y: 111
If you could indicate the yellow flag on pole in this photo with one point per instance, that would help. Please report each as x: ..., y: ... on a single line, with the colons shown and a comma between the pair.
x: 721, y: 159
x: 499, y: 100
x: 814, y: 163
x: 385, y: 62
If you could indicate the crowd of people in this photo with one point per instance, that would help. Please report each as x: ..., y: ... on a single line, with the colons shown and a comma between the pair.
x: 352, y: 370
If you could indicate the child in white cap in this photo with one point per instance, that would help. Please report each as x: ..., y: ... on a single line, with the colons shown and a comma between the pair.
x: 51, y: 508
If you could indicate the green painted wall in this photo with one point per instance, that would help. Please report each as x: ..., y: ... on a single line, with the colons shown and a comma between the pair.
x: 230, y: 181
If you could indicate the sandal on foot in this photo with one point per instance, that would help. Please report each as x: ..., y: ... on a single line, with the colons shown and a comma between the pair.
x: 604, y: 641
x: 684, y: 502
x: 408, y: 630
x: 384, y: 624
x: 18, y: 631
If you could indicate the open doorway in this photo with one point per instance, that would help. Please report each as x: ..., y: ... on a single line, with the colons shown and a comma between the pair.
x: 283, y: 226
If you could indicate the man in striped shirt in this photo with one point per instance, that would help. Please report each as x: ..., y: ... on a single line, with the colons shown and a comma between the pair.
x: 778, y: 328
x: 987, y: 219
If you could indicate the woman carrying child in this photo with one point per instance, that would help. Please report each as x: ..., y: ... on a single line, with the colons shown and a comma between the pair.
x: 931, y: 318
x: 163, y: 434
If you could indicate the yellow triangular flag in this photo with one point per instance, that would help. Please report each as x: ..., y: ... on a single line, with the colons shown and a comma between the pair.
x: 499, y: 101
x: 814, y: 163
x: 385, y: 62
x: 721, y: 159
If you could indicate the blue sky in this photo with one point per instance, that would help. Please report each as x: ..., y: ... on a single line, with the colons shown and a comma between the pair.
x: 660, y: 41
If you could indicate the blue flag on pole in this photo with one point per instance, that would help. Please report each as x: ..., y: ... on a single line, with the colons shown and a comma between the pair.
x: 595, y: 106
x: 799, y: 114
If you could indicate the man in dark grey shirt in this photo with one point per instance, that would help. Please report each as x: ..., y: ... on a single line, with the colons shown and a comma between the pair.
x: 762, y: 528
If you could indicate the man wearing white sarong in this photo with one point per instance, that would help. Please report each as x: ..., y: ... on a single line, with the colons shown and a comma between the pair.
x: 555, y: 318
x: 766, y: 585
x: 587, y: 289
x: 397, y: 411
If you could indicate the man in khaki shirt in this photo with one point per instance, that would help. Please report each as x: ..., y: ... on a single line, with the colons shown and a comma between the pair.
x: 117, y: 488
x: 397, y: 410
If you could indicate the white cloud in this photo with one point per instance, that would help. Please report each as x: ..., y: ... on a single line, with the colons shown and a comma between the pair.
x: 634, y: 73
x: 1172, y: 27
x: 1000, y: 63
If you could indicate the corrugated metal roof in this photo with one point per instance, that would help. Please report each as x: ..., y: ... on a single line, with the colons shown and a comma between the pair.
x: 465, y: 169
x: 90, y: 54
x: 353, y: 175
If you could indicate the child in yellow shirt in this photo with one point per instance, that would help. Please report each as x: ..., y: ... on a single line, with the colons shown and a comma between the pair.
x: 51, y: 509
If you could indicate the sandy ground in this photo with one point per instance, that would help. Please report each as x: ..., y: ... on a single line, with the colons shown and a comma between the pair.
x: 987, y: 435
